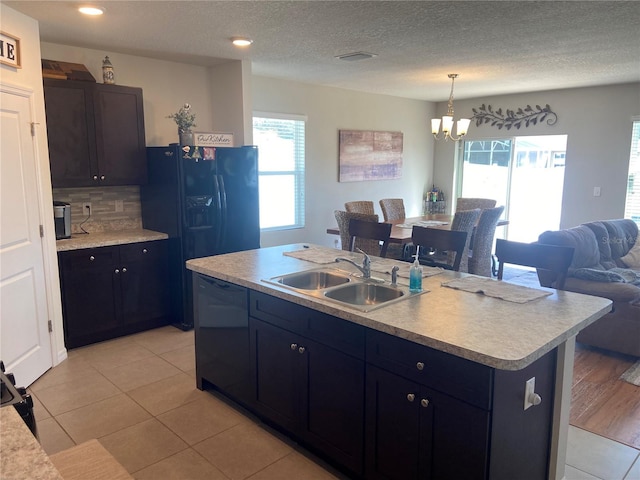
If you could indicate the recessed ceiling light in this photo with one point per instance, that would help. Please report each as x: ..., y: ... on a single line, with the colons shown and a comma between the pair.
x: 241, y: 41
x: 91, y: 10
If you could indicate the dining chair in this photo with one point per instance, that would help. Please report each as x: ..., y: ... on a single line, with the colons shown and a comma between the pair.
x: 463, y: 203
x: 465, y: 221
x: 361, y: 229
x: 435, y: 239
x: 371, y: 247
x: 551, y: 261
x: 360, y: 206
x: 480, y: 249
x: 392, y: 209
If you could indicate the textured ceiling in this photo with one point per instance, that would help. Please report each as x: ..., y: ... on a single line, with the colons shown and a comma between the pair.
x: 497, y: 47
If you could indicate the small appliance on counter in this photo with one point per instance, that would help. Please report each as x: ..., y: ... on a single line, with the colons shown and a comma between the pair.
x: 62, y: 219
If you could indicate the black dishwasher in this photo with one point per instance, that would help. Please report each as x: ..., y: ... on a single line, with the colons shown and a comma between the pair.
x: 222, y: 337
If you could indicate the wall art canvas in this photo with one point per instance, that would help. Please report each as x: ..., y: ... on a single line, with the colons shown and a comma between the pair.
x: 368, y: 155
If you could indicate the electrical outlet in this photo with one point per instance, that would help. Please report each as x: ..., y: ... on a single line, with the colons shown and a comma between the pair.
x: 119, y: 205
x: 86, y: 209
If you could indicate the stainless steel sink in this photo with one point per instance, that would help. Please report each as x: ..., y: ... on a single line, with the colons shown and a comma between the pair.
x: 343, y: 288
x: 314, y: 279
x: 365, y: 294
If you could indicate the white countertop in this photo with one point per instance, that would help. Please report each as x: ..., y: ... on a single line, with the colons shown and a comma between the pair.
x: 103, y: 239
x: 490, y: 331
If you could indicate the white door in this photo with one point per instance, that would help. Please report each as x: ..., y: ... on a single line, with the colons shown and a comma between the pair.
x: 25, y: 344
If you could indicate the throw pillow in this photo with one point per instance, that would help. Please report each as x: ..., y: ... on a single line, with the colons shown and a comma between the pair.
x: 632, y: 259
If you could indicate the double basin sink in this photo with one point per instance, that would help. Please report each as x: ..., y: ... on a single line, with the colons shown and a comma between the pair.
x: 344, y: 288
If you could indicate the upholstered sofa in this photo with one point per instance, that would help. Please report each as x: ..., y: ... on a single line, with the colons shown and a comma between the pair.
x: 606, y: 263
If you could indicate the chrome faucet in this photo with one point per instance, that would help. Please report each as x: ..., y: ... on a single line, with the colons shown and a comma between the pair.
x: 366, y: 264
x: 394, y: 275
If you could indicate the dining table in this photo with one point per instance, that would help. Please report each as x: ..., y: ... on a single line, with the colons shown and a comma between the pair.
x: 401, y: 229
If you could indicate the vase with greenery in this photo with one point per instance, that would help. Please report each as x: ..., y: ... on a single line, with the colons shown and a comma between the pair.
x: 185, y: 120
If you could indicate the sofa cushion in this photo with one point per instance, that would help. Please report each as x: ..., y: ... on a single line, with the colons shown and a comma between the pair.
x: 622, y: 236
x: 604, y: 244
x: 586, y: 252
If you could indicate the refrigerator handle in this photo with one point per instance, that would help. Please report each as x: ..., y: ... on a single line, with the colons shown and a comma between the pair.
x: 223, y: 208
x: 218, y: 213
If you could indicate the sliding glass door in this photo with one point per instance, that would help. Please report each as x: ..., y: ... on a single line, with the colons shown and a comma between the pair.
x: 525, y: 174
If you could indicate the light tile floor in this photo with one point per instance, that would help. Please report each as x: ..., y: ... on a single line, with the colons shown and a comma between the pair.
x: 137, y: 396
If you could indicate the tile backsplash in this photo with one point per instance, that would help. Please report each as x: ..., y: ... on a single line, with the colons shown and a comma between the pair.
x: 104, y: 216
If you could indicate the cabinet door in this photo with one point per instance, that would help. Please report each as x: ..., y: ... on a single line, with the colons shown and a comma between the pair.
x: 144, y: 275
x: 393, y: 427
x: 459, y: 438
x: 333, y: 403
x: 90, y: 295
x: 275, y: 361
x: 120, y: 135
x: 71, y: 133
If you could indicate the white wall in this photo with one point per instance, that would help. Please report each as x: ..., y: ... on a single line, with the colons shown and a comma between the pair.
x: 329, y: 110
x: 30, y: 77
x: 597, y: 121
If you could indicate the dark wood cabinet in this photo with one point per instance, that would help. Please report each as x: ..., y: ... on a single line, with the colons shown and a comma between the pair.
x: 311, y: 390
x: 432, y: 415
x: 96, y: 134
x: 382, y: 407
x: 113, y: 291
x: 308, y: 370
x: 417, y: 433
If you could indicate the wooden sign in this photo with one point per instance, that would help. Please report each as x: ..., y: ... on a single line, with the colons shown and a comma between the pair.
x: 213, y: 139
x: 10, y: 50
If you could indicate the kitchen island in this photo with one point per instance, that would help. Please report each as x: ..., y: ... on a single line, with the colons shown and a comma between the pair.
x: 428, y: 387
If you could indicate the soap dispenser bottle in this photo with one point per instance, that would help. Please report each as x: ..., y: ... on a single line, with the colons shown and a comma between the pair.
x: 415, y: 274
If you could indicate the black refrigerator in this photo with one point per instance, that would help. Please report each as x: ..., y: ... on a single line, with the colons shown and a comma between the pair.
x: 206, y: 200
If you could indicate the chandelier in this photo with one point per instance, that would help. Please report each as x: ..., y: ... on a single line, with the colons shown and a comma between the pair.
x: 447, y: 120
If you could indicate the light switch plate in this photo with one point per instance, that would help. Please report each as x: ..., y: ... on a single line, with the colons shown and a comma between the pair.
x: 596, y: 191
x: 529, y: 390
x: 119, y: 205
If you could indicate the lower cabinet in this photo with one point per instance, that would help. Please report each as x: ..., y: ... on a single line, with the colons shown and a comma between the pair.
x: 112, y: 291
x: 417, y: 433
x: 375, y: 405
x: 311, y: 390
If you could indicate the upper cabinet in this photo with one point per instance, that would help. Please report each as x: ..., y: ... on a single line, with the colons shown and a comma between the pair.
x: 96, y: 134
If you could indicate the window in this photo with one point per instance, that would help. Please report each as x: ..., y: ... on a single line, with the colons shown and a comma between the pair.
x: 280, y: 141
x: 632, y: 205
x: 525, y: 174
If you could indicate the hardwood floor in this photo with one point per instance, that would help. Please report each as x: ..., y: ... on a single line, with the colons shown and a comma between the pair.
x: 601, y: 403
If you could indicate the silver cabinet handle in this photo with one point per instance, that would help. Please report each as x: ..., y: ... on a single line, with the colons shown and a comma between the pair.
x: 420, y: 366
x: 301, y: 350
x: 92, y: 258
x: 294, y: 346
x: 144, y: 250
x: 411, y: 397
x: 117, y: 271
x: 124, y: 270
x: 424, y: 403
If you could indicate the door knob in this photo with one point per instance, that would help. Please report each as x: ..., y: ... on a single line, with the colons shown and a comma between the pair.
x: 420, y: 366
x: 117, y: 271
x: 101, y: 177
x: 92, y: 258
x: 424, y: 403
x: 301, y: 350
x: 144, y: 250
x: 411, y: 397
x: 124, y: 270
x: 294, y: 346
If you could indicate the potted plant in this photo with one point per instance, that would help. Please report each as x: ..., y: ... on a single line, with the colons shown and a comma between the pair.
x: 185, y: 121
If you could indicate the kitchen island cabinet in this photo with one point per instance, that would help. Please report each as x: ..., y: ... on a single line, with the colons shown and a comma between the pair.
x: 444, y: 372
x: 113, y: 290
x: 96, y: 134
